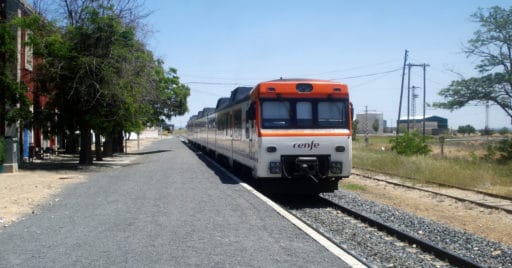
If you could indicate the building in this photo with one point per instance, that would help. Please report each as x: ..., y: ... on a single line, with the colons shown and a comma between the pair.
x: 17, y: 139
x: 371, y: 123
x: 434, y: 125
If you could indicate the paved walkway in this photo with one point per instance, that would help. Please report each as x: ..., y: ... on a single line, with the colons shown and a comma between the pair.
x: 165, y: 208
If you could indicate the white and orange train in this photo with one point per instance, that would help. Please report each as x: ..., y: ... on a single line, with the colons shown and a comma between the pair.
x: 294, y: 135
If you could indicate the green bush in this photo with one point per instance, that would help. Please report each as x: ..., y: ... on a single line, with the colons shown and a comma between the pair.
x: 1, y: 150
x: 410, y: 144
x: 504, y: 150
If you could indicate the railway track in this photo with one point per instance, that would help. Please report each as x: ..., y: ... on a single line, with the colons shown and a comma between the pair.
x: 411, y: 239
x: 390, y: 239
x: 410, y: 243
x: 479, y: 198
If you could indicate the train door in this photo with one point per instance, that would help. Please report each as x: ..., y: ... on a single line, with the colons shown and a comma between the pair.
x: 250, y: 118
x: 231, y: 133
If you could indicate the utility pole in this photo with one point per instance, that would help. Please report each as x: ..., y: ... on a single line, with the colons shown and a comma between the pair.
x: 424, y: 95
x: 401, y: 94
x: 413, y: 100
x: 487, y: 118
x: 424, y: 66
x: 366, y: 124
x: 408, y: 95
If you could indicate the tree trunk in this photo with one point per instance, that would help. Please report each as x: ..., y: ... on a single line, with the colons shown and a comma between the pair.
x: 97, y: 147
x: 85, y: 146
x: 107, y: 146
x: 118, y: 139
x: 71, y: 143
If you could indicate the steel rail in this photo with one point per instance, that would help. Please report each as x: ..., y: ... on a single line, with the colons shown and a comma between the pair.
x: 481, y: 204
x: 426, y: 246
x: 438, y: 184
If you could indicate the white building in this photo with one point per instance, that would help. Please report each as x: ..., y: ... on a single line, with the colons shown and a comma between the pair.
x: 371, y: 123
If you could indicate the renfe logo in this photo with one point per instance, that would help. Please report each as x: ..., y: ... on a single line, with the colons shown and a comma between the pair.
x: 312, y: 145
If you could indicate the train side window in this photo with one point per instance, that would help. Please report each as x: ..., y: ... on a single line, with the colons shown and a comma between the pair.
x: 304, y: 113
x: 222, y: 121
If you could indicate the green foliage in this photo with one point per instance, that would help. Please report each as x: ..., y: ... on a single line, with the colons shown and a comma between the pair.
x: 410, y: 144
x: 486, y: 131
x: 501, y: 152
x: 14, y: 102
x: 505, y: 149
x: 467, y: 129
x: 99, y: 76
x: 491, y: 44
x: 355, y: 126
x: 375, y: 125
x: 503, y: 131
x: 2, y: 150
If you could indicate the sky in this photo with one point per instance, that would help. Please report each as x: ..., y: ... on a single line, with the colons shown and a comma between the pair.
x: 217, y: 45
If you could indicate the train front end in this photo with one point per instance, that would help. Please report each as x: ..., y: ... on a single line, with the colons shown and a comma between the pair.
x: 304, y: 136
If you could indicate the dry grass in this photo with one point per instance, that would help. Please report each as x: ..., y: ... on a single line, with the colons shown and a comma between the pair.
x: 463, y: 169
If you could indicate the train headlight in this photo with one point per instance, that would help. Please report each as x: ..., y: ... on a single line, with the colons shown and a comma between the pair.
x: 340, y: 149
x: 271, y: 149
x: 336, y: 167
x: 274, y: 167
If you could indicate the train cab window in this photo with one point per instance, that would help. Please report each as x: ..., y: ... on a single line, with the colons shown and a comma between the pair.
x: 304, y: 112
x: 331, y: 113
x: 275, y: 114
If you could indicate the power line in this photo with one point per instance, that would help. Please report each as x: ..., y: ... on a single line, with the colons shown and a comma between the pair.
x: 349, y: 69
x: 368, y: 81
x: 212, y: 83
x: 368, y: 75
x: 240, y: 84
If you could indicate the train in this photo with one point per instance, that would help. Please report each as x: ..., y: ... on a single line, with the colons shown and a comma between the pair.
x: 292, y: 135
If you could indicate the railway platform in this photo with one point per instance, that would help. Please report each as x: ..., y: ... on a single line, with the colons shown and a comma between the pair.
x: 166, y: 208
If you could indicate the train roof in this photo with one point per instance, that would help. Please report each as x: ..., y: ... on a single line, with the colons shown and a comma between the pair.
x: 208, y: 111
x: 221, y: 103
x: 192, y: 118
x: 239, y: 94
x: 300, y: 88
x: 204, y: 112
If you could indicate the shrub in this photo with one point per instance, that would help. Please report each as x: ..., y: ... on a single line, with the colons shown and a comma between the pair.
x: 1, y: 150
x: 501, y: 152
x: 503, y: 131
x: 355, y: 125
x: 504, y: 150
x: 410, y: 144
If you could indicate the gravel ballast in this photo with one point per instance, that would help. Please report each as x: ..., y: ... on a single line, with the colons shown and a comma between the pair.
x: 480, y: 250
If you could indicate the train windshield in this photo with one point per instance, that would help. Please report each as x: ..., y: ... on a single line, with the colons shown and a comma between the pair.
x: 300, y: 113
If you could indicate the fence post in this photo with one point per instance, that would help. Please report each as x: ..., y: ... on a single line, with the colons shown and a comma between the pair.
x: 441, y: 142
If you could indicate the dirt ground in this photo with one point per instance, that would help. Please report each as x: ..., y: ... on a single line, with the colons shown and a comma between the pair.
x: 489, y: 223
x: 22, y: 192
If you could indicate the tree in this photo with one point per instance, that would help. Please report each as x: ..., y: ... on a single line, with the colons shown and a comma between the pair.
x: 375, y: 125
x: 467, y: 129
x: 355, y: 126
x: 503, y: 131
x: 1, y: 149
x: 100, y: 77
x: 14, y: 103
x: 492, y: 45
